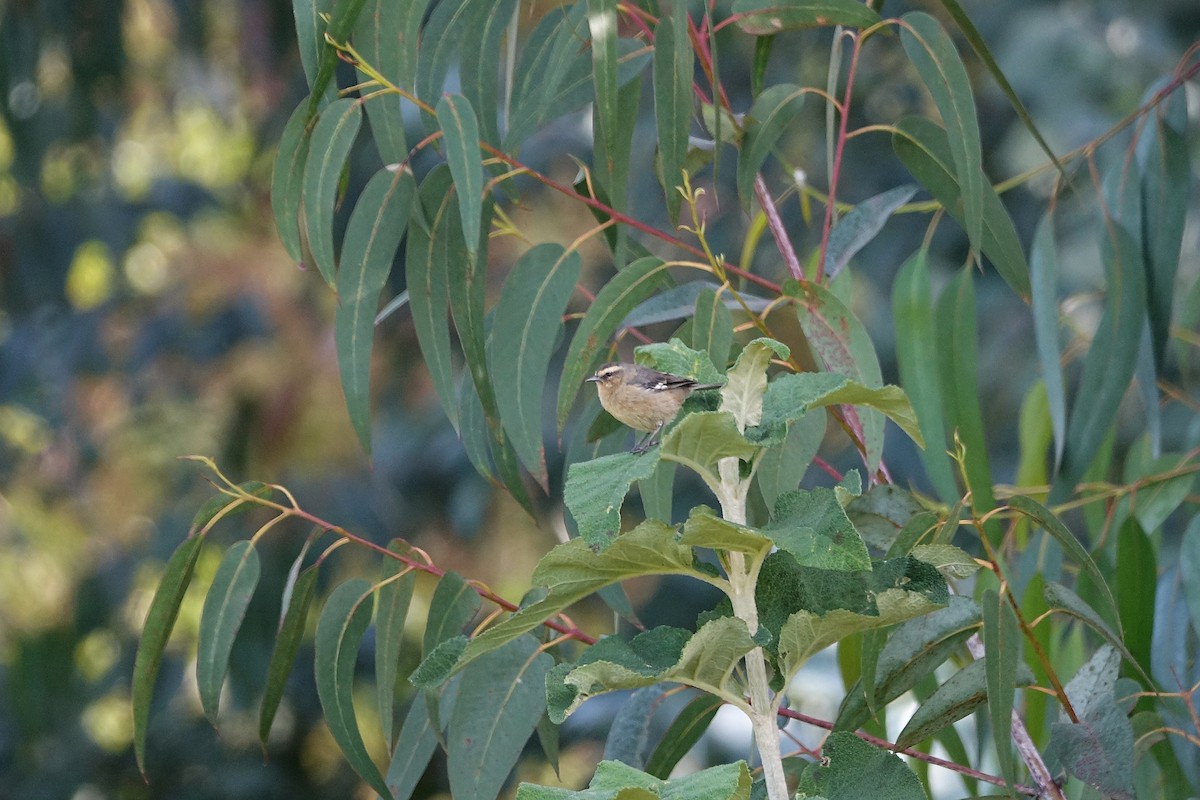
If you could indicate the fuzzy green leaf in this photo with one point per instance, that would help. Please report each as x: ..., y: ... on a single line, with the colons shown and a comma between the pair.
x: 858, y: 227
x: 853, y: 769
x: 596, y: 489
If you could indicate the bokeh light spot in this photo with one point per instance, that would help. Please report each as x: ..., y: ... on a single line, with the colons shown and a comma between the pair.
x: 90, y: 277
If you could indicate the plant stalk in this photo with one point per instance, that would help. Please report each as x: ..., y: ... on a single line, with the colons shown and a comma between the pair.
x: 742, y: 580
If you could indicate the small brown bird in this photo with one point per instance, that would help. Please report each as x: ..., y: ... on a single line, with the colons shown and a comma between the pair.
x: 643, y: 398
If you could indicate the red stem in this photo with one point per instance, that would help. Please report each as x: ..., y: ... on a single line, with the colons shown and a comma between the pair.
x: 841, y: 146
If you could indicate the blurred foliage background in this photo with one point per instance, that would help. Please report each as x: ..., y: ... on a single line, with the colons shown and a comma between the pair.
x: 147, y: 312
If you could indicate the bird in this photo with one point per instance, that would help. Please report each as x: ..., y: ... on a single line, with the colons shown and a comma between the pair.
x: 643, y: 398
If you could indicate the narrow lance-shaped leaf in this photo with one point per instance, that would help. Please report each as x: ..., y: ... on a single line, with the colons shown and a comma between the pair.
x: 943, y: 73
x: 287, y: 181
x: 391, y: 610
x: 500, y: 700
x: 224, y: 609
x: 619, y: 296
x: 480, y: 60
x: 766, y: 17
x: 1113, y: 354
x: 917, y: 353
x: 341, y: 15
x: 924, y: 149
x: 672, y: 98
x: 1043, y: 276
x: 712, y: 327
x: 340, y: 630
x: 377, y: 37
x: 414, y: 747
x: 160, y: 619
x: 310, y: 35
x: 1002, y: 649
x: 855, y: 230
x: 372, y: 236
x: 959, y: 376
x: 461, y: 132
x: 332, y: 139
x: 766, y: 121
x: 962, y: 693
x: 685, y: 731
x: 429, y: 297
x: 441, y: 45
x: 287, y: 644
x: 602, y: 23
x: 1162, y: 154
x: 522, y: 341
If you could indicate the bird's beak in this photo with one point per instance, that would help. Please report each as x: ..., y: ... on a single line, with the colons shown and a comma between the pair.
x: 592, y: 379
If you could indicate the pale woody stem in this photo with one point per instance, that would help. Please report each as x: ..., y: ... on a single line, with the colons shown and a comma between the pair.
x: 762, y: 716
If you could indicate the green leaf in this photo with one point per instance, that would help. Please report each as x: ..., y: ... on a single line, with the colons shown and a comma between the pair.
x: 672, y: 98
x: 453, y: 605
x: 629, y: 731
x: 314, y: 53
x: 500, y: 700
x: 380, y: 27
x: 224, y: 609
x: 766, y: 17
x: 813, y: 527
x: 340, y: 629
x: 937, y: 62
x: 1164, y: 484
x: 840, y: 343
x: 1162, y: 155
x: 550, y: 52
x: 602, y: 24
x: 1043, y: 276
x: 596, y: 489
x: 657, y: 492
x: 962, y: 693
x: 461, y: 132
x: 332, y: 139
x: 677, y: 358
x: 712, y: 327
x: 391, y: 610
x: 1113, y: 354
x: 807, y: 632
x: 616, y: 781
x: 523, y: 338
x: 287, y: 645
x: 746, y: 382
x: 414, y: 747
x: 478, y: 69
x: 1002, y: 649
x: 619, y: 296
x: 426, y: 268
x: 857, y: 228
x: 1136, y: 581
x: 343, y: 14
x: 782, y: 467
x: 1099, y: 749
x: 223, y: 506
x: 881, y: 513
x: 705, y: 529
x: 958, y: 330
x: 704, y: 660
x: 1189, y: 570
x: 924, y: 149
x: 702, y: 439
x: 685, y: 730
x: 769, y: 116
x: 573, y: 570
x: 287, y: 181
x: 442, y: 39
x: 1051, y: 524
x: 372, y: 236
x: 1061, y: 598
x: 156, y: 630
x: 852, y: 769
